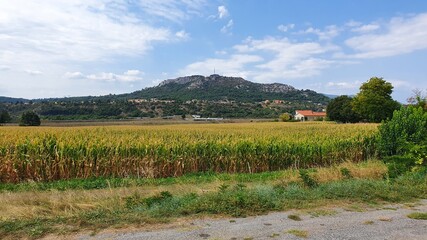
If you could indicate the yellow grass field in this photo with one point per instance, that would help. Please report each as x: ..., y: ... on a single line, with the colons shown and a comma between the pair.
x: 53, y: 153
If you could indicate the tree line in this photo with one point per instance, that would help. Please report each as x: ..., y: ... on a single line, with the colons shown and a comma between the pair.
x: 372, y: 104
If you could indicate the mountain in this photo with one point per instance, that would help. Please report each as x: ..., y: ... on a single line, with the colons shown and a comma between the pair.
x: 210, y: 96
x: 216, y: 88
x: 12, y: 100
x: 331, y: 96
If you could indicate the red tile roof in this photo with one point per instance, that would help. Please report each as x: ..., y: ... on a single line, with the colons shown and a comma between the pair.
x: 309, y: 113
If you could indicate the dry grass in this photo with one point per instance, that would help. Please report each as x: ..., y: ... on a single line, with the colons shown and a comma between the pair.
x: 28, y: 205
x: 385, y: 219
x: 365, y: 170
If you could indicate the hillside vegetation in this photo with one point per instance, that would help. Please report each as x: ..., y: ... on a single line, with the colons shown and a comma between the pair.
x: 212, y: 96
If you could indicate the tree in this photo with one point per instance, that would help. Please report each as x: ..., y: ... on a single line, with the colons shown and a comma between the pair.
x: 418, y: 99
x: 4, y: 117
x: 374, y: 102
x: 408, y: 125
x: 29, y: 119
x: 340, y: 109
x: 284, y: 117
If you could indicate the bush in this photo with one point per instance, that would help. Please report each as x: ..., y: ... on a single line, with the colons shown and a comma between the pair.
x: 408, y: 126
x: 4, y: 117
x: 29, y: 119
x: 398, y: 165
x: 285, y: 117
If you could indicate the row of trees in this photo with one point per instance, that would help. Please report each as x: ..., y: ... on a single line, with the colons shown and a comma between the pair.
x: 372, y: 104
x: 27, y: 119
x: 4, y: 117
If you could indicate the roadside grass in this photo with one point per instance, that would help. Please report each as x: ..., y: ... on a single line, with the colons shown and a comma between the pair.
x: 294, y: 217
x: 365, y: 170
x: 34, y: 214
x: 298, y: 233
x: 418, y: 215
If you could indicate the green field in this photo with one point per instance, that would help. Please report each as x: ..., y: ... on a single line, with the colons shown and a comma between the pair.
x: 55, y: 153
x: 66, y: 179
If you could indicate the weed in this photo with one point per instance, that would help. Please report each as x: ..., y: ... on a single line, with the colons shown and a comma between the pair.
x: 308, y: 180
x: 345, y: 172
x: 418, y: 215
x: 322, y: 212
x: 298, y: 233
x: 294, y: 217
x: 273, y: 235
x: 368, y: 222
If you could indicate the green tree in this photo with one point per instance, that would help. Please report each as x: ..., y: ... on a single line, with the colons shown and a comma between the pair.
x: 340, y: 109
x: 4, y: 117
x: 29, y: 119
x: 418, y: 99
x: 407, y: 126
x: 284, y: 117
x: 374, y: 102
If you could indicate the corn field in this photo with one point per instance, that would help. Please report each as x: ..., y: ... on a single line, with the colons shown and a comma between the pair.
x: 53, y: 153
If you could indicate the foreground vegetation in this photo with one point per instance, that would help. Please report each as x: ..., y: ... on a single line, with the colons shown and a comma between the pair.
x: 106, y: 173
x: 49, y: 153
x: 35, y: 213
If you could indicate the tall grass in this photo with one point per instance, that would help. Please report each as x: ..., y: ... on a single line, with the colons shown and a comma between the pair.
x: 53, y: 153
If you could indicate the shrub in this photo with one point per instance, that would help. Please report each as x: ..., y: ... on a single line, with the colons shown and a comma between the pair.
x: 29, y: 119
x: 408, y: 126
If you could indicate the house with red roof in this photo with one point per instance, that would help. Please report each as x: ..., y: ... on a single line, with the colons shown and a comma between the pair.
x: 309, y: 115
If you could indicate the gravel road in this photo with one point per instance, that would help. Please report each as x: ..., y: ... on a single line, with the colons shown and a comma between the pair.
x: 387, y: 222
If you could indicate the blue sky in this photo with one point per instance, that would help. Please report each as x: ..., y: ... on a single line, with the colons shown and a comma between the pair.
x: 90, y: 47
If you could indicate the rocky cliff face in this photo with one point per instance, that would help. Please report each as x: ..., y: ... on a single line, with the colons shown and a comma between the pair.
x: 200, y: 82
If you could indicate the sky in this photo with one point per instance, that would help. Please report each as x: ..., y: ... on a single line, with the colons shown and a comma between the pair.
x: 63, y: 48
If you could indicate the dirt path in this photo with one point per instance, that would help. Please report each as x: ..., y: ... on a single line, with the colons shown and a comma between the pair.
x: 388, y: 222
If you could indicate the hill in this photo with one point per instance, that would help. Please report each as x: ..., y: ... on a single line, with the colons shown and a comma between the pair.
x: 12, y: 100
x: 210, y: 96
x: 216, y: 88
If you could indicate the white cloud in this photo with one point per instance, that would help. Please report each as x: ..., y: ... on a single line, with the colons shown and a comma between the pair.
x: 352, y: 24
x: 172, y: 10
x: 73, y: 75
x: 328, y: 33
x: 50, y: 32
x: 232, y: 66
x: 285, y: 28
x: 366, y: 28
x: 182, y: 35
x: 228, y: 28
x: 289, y: 60
x: 128, y: 76
x: 222, y: 52
x: 269, y: 59
x: 133, y: 73
x: 34, y: 72
x: 403, y: 35
x: 4, y: 68
x: 400, y: 83
x: 222, y: 12
x: 344, y: 85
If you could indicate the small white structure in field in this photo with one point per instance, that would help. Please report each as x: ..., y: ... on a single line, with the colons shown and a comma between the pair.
x: 309, y: 115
